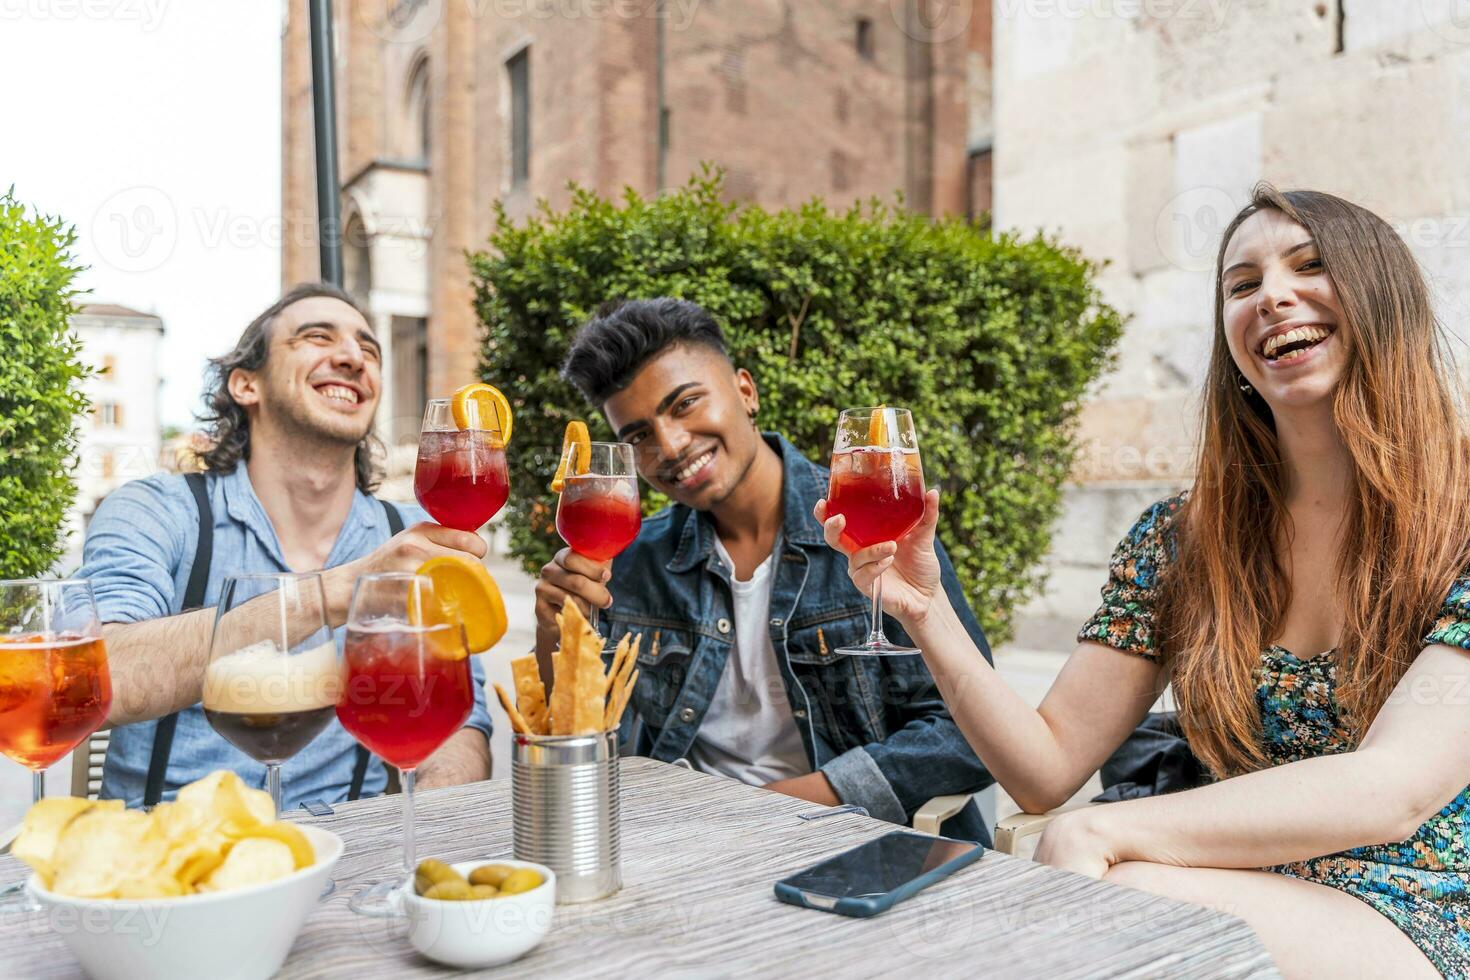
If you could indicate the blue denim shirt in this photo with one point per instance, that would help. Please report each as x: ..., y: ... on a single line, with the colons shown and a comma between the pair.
x: 876, y: 726
x: 138, y: 553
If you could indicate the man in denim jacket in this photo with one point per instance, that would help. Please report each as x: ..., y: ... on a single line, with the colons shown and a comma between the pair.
x: 741, y: 604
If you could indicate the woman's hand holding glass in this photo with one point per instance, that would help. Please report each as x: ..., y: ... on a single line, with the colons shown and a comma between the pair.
x: 909, y: 566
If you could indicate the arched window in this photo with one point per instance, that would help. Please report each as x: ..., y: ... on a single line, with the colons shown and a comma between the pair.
x: 416, y: 114
x: 357, y: 262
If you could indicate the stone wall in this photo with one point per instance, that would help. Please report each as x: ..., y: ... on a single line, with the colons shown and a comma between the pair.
x: 1136, y: 129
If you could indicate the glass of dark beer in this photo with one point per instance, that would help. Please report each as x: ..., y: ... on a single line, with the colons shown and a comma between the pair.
x: 274, y: 677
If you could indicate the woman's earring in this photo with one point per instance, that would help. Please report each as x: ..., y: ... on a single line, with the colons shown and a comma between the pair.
x: 1243, y: 384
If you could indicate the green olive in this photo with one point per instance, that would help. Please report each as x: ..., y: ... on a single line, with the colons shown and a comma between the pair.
x: 491, y: 874
x: 457, y: 890
x: 520, y: 880
x: 430, y: 873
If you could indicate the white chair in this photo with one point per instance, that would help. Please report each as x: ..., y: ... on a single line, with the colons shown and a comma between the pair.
x: 86, y: 765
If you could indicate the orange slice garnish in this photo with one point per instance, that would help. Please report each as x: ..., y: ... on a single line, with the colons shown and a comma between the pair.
x: 576, y: 454
x: 877, y: 429
x: 467, y: 594
x: 482, y: 406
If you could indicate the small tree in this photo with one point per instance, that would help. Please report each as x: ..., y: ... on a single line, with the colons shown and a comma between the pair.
x: 990, y: 341
x: 40, y: 387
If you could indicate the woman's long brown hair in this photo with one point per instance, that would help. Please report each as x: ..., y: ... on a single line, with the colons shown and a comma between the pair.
x: 1405, y: 535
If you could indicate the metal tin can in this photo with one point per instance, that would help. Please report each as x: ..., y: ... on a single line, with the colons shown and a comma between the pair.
x: 565, y: 810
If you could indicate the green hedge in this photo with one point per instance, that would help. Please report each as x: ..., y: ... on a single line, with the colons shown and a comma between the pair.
x: 40, y: 387
x: 991, y: 341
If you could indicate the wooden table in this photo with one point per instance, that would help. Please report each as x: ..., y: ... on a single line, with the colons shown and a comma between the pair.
x: 700, y: 855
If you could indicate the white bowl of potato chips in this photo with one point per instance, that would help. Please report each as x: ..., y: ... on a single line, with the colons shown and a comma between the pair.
x: 210, y: 884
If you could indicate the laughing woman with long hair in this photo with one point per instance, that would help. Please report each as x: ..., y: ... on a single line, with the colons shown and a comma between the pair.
x: 1308, y: 599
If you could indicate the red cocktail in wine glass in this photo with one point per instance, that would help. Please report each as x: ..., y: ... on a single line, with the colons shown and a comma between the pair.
x: 878, y: 486
x: 599, y: 513
x: 406, y: 688
x: 460, y: 477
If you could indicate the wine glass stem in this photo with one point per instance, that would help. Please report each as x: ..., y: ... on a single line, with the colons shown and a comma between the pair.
x: 406, y: 778
x: 38, y: 786
x: 592, y: 619
x: 875, y: 636
x: 273, y: 784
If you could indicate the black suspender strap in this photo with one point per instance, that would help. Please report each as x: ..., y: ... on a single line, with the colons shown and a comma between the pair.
x: 360, y: 765
x: 359, y: 773
x: 163, y: 732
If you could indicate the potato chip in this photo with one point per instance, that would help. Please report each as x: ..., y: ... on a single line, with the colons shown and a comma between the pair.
x: 42, y: 829
x: 101, y: 850
x: 530, y: 693
x: 302, y: 853
x: 251, y: 861
x: 91, y: 849
x: 189, y: 866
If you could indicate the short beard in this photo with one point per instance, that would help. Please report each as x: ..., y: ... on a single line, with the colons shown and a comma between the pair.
x: 295, y: 422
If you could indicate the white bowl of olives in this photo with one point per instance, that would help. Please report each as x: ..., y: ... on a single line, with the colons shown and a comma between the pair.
x: 476, y: 914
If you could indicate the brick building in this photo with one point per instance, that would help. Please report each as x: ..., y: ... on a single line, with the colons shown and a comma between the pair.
x: 1132, y: 129
x: 446, y: 106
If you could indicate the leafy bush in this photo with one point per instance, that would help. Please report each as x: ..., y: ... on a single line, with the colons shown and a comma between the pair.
x: 40, y: 388
x: 990, y: 341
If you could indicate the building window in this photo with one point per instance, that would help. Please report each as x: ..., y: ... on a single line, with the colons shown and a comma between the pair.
x: 519, y: 70
x: 109, y: 466
x: 981, y: 181
x: 109, y: 415
x: 410, y: 353
x: 865, y: 38
x: 109, y: 365
x: 416, y: 116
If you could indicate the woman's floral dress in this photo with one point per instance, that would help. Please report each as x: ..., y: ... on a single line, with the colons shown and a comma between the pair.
x: 1422, y: 884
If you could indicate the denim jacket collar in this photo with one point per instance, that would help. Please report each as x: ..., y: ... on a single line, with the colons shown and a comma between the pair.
x: 801, y: 481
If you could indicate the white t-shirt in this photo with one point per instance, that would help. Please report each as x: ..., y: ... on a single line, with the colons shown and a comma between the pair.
x: 749, y: 733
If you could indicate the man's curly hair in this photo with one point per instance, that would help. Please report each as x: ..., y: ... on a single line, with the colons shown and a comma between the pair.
x: 229, y: 426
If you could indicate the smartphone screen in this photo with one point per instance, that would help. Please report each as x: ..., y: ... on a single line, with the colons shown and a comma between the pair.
x: 880, y: 865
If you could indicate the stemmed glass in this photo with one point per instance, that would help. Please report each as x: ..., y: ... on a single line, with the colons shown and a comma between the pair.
x: 55, y: 690
x: 460, y: 477
x: 878, y: 485
x: 598, y: 512
x: 273, y: 679
x: 407, y: 688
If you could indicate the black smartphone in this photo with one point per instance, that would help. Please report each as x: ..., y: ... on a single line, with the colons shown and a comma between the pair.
x: 873, y: 877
